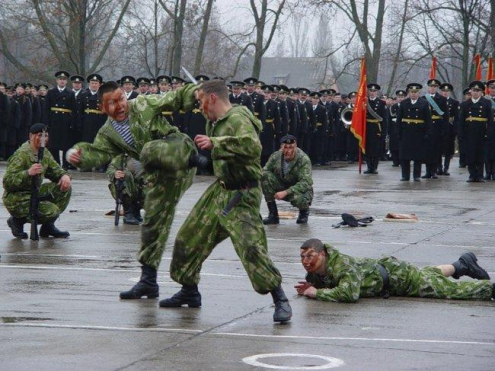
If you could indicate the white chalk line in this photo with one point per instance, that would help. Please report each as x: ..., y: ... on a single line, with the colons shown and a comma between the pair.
x: 246, y: 335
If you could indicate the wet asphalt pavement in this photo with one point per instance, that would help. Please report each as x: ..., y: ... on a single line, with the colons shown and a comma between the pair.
x: 60, y: 310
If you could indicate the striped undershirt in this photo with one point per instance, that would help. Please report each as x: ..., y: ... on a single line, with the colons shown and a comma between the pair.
x: 124, y: 129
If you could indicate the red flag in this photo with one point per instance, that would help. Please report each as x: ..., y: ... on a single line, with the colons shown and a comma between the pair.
x: 358, y: 125
x: 477, y: 62
x: 490, y: 74
x: 433, y: 69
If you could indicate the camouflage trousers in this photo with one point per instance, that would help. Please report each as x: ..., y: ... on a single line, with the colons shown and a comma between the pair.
x: 206, y: 227
x: 272, y: 184
x: 17, y: 203
x: 134, y: 187
x: 159, y: 204
x: 429, y: 282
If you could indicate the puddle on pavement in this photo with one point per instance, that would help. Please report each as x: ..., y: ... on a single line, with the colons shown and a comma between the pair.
x: 23, y: 319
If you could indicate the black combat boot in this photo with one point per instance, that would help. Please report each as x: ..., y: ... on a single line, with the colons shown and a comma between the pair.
x: 446, y: 165
x: 188, y: 295
x: 17, y: 227
x: 493, y: 290
x: 49, y: 229
x: 136, y: 207
x: 375, y: 165
x: 428, y: 172
x: 129, y: 217
x: 146, y: 286
x: 272, y: 214
x: 467, y: 266
x: 283, y: 311
x: 303, y: 217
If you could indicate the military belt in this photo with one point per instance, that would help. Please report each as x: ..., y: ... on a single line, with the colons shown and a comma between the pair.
x: 435, y: 117
x: 182, y: 112
x: 374, y: 121
x: 256, y: 113
x: 167, y: 113
x: 63, y: 110
x: 239, y: 185
x: 480, y: 119
x: 95, y: 111
x: 269, y: 121
x: 319, y: 124
x: 414, y: 121
x: 386, y: 282
x: 194, y: 111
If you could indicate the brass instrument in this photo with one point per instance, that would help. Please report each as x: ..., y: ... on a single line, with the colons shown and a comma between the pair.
x: 346, y: 116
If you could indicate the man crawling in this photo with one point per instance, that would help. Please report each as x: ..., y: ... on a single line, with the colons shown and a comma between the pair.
x: 333, y: 276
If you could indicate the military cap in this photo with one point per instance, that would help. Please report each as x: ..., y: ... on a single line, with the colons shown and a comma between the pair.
x: 228, y: 86
x: 477, y: 85
x: 276, y: 88
x: 293, y: 91
x: 3, y: 84
x: 62, y: 74
x: 324, y: 92
x: 42, y: 86
x: 22, y: 85
x: 177, y: 80
x: 400, y: 92
x: 344, y: 96
x: 143, y: 80
x: 218, y: 78
x: 332, y: 91
x: 433, y: 82
x: 77, y: 78
x: 153, y: 81
x: 237, y: 84
x: 315, y: 94
x: 164, y: 78
x: 288, y: 139
x: 37, y: 128
x: 283, y: 89
x: 446, y: 87
x: 352, y: 94
x: 466, y: 91
x: 250, y: 81
x: 490, y: 82
x: 260, y: 83
x: 414, y: 87
x: 95, y: 77
x: 28, y: 85
x: 374, y: 86
x: 267, y: 88
x: 304, y: 91
x: 125, y: 79
x: 202, y: 78
x: 337, y: 94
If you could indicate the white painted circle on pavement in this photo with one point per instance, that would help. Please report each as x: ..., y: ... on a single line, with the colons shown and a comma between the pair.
x: 331, y: 362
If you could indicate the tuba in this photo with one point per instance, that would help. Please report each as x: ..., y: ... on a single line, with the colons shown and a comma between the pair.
x: 346, y: 116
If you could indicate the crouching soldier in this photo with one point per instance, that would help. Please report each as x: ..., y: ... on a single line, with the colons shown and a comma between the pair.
x: 17, y: 182
x: 287, y: 177
x: 131, y: 171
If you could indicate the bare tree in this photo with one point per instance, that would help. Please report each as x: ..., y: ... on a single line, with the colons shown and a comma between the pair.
x: 298, y: 38
x: 177, y: 12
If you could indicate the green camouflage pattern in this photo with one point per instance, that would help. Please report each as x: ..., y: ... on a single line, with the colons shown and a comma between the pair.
x: 350, y: 278
x: 134, y: 183
x: 17, y: 185
x: 298, y: 182
x: 236, y: 159
x: 165, y: 187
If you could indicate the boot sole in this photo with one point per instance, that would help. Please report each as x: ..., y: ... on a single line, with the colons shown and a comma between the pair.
x: 152, y: 296
x: 22, y: 237
x: 179, y: 305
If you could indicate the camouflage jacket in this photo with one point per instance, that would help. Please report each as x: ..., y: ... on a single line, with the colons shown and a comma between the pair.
x: 236, y: 146
x: 298, y: 177
x: 347, y: 278
x: 17, y: 179
x: 146, y: 124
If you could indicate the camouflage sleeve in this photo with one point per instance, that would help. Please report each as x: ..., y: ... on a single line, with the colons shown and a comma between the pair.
x: 271, y: 164
x: 305, y: 178
x: 243, y: 146
x: 113, y: 166
x: 98, y: 153
x: 16, y: 176
x: 348, y: 287
x: 53, y: 170
x: 181, y: 99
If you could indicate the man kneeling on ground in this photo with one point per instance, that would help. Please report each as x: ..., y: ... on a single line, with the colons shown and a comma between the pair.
x: 287, y: 177
x: 333, y: 276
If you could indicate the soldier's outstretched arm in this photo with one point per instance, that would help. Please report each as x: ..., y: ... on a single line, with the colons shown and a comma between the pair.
x: 180, y: 99
x: 348, y: 288
x: 98, y: 153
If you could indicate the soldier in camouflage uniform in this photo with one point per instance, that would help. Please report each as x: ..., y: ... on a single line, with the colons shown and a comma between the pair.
x: 333, y: 276
x: 287, y: 177
x: 17, y: 183
x: 229, y: 207
x: 134, y: 186
x: 135, y: 128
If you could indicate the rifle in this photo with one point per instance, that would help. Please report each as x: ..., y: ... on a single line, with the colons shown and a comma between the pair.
x: 35, y: 197
x: 119, y: 188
